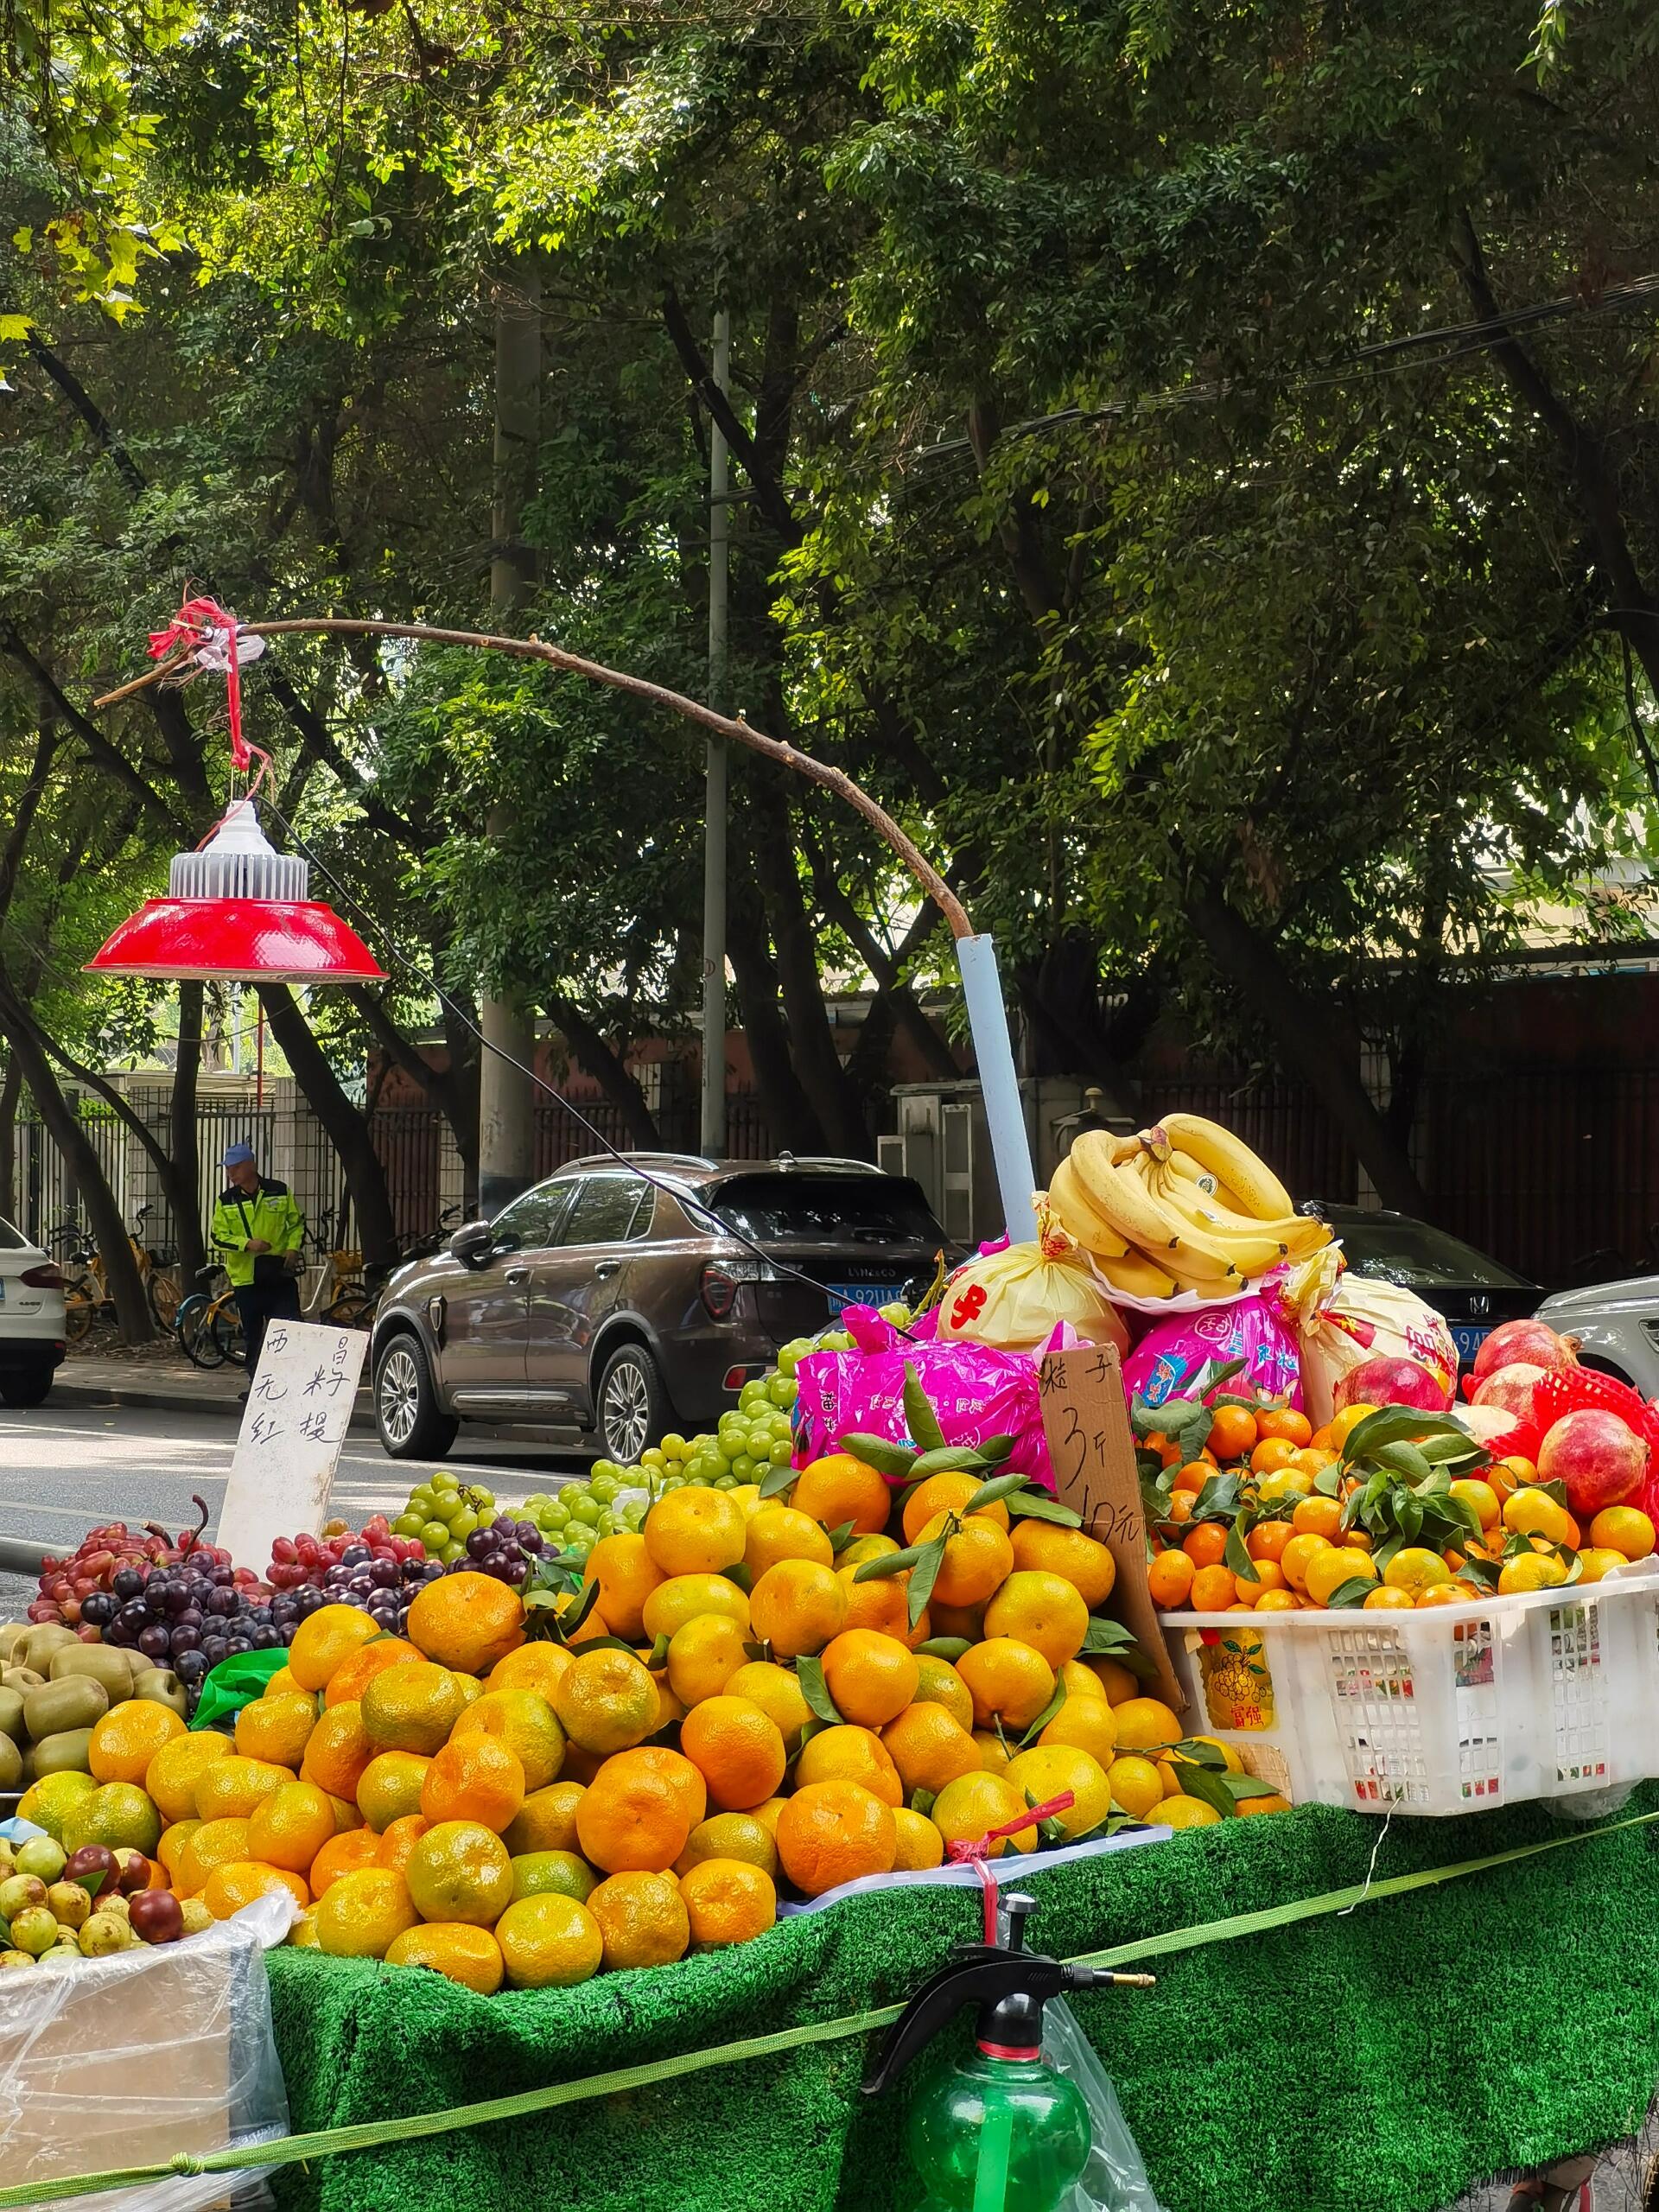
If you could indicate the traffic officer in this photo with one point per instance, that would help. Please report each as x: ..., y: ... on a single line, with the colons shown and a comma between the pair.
x: 258, y: 1231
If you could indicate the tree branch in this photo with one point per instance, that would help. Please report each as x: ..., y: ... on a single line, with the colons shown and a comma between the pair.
x: 103, y: 753
x: 1636, y: 611
x: 769, y: 495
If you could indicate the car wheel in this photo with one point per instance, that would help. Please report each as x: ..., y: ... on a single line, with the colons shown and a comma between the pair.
x: 411, y: 1422
x: 632, y: 1405
x: 25, y: 1386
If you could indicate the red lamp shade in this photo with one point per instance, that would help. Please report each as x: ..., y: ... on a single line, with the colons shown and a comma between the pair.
x: 237, y: 909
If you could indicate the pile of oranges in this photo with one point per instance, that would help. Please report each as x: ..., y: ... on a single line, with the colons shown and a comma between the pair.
x: 735, y: 1714
x: 1304, y: 1558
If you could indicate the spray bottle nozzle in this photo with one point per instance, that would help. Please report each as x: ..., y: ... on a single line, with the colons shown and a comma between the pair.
x: 1009, y: 1984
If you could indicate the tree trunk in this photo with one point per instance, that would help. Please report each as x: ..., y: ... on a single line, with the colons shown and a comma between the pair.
x: 347, y: 1127
x: 183, y: 1138
x: 180, y: 1193
x: 608, y: 1069
x: 1309, y: 1043
x: 126, y: 1287
x: 791, y: 1115
x: 10, y: 1085
x: 812, y: 1040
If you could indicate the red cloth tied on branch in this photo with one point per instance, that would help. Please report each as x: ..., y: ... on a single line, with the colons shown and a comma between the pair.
x: 975, y: 1850
x: 210, y: 633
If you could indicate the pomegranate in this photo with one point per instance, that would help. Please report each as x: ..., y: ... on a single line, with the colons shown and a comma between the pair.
x: 1386, y: 1381
x: 1598, y: 1459
x: 1510, y: 1388
x: 1533, y: 1343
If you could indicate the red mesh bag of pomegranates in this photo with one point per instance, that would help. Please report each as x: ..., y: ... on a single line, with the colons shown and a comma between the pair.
x: 1566, y: 1390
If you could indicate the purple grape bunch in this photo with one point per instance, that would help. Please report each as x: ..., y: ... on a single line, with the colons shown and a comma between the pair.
x: 504, y: 1550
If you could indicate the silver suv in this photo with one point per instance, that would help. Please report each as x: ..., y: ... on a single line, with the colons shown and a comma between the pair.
x: 615, y: 1306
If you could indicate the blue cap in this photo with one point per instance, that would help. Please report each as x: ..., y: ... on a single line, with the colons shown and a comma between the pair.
x: 237, y: 1154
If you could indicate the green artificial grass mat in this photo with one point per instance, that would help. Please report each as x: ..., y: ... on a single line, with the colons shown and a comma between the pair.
x: 1377, y: 2061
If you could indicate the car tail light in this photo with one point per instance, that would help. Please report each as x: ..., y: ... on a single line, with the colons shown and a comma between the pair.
x: 723, y: 1278
x: 48, y: 1276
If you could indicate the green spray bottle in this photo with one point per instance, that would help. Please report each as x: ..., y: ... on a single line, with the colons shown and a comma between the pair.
x: 1000, y: 2131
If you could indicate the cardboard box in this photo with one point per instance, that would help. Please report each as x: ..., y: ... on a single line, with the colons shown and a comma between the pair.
x: 1092, y: 1449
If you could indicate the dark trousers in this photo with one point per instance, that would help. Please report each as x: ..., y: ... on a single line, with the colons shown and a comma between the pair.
x: 262, y: 1302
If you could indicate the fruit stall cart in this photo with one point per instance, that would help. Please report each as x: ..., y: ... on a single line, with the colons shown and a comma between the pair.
x: 609, y: 1828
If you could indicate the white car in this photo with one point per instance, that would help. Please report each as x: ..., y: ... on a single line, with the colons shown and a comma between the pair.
x: 1617, y: 1325
x: 31, y: 1320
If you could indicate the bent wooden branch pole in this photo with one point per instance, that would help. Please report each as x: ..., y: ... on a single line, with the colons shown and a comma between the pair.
x: 656, y: 695
x: 987, y: 1017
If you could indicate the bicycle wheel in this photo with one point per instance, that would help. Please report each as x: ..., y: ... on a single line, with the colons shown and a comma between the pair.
x: 162, y: 1291
x: 80, y: 1304
x: 353, y: 1309
x: 228, y: 1332
x: 194, y: 1330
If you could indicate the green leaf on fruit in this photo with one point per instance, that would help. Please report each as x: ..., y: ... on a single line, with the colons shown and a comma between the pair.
x: 809, y: 1673
x: 1353, y: 1592
x: 924, y: 1576
x: 658, y: 1652
x: 949, y: 1459
x: 778, y: 1480
x: 993, y: 1492
x: 1038, y: 1505
x: 1110, y: 1639
x: 1049, y: 1712
x: 886, y: 1564
x: 893, y: 1460
x: 949, y: 1648
x: 919, y: 1417
x: 1209, y: 1788
x: 1236, y: 1556
x: 841, y: 1537
x: 922, y: 1801
x: 1395, y: 1425
x: 1404, y: 1459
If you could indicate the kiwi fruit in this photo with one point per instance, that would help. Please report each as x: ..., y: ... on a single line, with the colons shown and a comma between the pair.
x: 77, y: 1702
x: 67, y: 1753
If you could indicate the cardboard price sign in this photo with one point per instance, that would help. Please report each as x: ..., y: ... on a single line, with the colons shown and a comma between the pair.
x: 293, y: 1426
x: 1092, y: 1449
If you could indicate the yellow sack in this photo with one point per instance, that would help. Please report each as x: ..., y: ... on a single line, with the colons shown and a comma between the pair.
x: 1014, y: 1299
x: 1340, y: 1319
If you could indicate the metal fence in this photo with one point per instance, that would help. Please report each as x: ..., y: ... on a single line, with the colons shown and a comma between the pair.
x: 1555, y: 1171
x: 1282, y: 1121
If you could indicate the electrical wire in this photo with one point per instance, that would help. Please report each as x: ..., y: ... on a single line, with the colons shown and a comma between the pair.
x: 1465, y: 338
x: 630, y: 1160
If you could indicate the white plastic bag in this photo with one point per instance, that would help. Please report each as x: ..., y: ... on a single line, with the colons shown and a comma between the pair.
x: 126, y: 2061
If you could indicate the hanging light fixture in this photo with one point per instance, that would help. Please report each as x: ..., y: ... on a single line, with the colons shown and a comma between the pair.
x: 236, y: 908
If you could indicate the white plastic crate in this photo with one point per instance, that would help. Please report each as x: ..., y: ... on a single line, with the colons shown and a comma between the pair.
x: 1447, y: 1710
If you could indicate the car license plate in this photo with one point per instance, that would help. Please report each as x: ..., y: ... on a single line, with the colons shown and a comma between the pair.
x: 1469, y: 1337
x: 864, y: 1293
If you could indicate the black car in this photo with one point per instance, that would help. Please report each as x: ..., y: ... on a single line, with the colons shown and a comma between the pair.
x: 1474, y: 1292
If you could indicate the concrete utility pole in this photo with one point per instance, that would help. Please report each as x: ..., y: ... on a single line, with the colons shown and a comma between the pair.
x: 506, y: 1120
x: 713, y: 1138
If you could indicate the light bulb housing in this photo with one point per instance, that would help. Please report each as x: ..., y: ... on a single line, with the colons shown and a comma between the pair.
x: 237, y: 910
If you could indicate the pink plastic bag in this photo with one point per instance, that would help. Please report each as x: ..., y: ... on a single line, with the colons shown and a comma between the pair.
x: 977, y: 1394
x: 1173, y: 1353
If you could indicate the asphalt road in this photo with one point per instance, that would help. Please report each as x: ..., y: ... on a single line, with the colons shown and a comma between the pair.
x: 65, y: 1469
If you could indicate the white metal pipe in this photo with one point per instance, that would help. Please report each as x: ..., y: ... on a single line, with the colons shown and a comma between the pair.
x: 987, y: 1019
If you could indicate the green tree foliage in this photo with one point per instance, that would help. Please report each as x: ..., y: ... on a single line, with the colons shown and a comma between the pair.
x: 1196, y: 467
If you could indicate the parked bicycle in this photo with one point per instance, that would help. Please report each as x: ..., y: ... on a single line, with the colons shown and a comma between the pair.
x: 86, y: 1297
x: 209, y: 1323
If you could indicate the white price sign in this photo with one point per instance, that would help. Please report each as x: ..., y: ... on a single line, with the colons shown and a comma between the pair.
x: 292, y: 1425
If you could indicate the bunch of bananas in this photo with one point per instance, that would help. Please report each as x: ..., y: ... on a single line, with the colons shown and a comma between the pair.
x: 1183, y: 1206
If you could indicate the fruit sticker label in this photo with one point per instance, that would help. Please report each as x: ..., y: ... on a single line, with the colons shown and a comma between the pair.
x: 292, y: 1425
